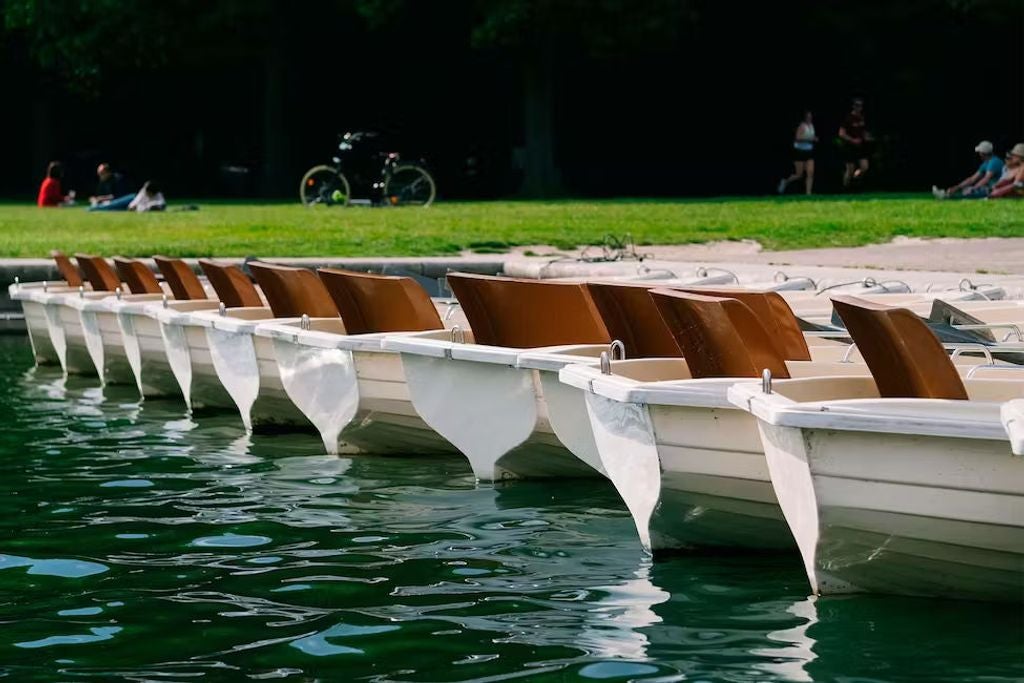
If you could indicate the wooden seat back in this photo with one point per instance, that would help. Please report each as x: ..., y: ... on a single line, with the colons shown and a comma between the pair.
x: 719, y: 337
x: 630, y: 315
x: 182, y: 280
x: 233, y: 287
x: 293, y: 292
x: 380, y: 303
x: 904, y: 356
x: 137, y: 275
x: 67, y: 268
x: 774, y: 313
x: 98, y: 272
x: 528, y: 313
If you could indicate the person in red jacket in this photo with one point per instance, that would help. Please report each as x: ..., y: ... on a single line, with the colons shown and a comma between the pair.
x: 50, y: 192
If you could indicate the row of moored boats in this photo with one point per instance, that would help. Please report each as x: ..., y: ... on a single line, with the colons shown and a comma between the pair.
x: 878, y: 434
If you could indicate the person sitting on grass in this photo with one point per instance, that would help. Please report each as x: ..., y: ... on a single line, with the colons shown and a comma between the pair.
x: 110, y: 191
x: 978, y: 185
x: 149, y: 198
x: 50, y: 192
x: 1011, y: 185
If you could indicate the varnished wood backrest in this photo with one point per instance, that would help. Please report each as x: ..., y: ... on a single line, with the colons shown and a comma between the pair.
x: 906, y: 359
x: 774, y: 313
x: 719, y: 337
x: 528, y: 313
x: 380, y: 303
x: 233, y: 287
x: 67, y: 268
x: 293, y: 292
x: 137, y: 275
x: 98, y: 272
x: 182, y: 280
x: 630, y: 315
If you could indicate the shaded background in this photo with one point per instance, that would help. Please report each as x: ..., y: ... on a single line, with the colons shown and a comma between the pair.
x: 504, y: 97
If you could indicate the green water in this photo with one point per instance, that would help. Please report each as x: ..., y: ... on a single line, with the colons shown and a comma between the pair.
x: 138, y: 544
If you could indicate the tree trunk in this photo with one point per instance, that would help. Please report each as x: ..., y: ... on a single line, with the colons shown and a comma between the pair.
x: 275, y: 137
x: 541, y: 176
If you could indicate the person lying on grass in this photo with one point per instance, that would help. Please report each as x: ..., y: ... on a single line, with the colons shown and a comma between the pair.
x: 149, y: 198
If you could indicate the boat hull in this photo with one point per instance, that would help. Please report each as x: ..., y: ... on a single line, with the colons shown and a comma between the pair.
x: 68, y: 337
x: 188, y: 356
x: 909, y: 514
x: 38, y: 333
x: 105, y: 343
x: 247, y: 369
x: 691, y: 476
x: 147, y: 355
x: 357, y: 399
x: 494, y: 414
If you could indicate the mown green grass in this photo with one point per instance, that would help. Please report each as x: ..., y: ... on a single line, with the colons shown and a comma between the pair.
x: 288, y: 229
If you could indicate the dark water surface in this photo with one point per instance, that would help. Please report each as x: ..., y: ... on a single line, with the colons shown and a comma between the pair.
x: 138, y: 544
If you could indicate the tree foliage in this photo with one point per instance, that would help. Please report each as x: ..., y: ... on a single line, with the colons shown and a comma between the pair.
x: 85, y: 42
x: 80, y: 40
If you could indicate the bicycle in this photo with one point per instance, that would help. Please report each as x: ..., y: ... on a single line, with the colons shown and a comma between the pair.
x: 399, y: 183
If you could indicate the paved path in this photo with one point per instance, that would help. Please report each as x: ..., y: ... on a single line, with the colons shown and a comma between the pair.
x: 938, y: 263
x: 991, y: 255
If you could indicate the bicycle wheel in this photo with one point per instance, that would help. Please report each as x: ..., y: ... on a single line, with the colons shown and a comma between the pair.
x: 325, y: 186
x: 410, y: 186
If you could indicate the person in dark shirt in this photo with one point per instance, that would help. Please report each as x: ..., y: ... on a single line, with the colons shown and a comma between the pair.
x: 853, y: 140
x: 111, y: 194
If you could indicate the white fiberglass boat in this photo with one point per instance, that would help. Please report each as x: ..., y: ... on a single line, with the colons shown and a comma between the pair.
x: 74, y: 346
x: 33, y: 297
x: 908, y: 483
x: 467, y: 384
x: 499, y: 378
x: 245, y: 364
x: 688, y: 466
x: 161, y: 347
x: 102, y: 319
x: 185, y: 358
x: 335, y: 371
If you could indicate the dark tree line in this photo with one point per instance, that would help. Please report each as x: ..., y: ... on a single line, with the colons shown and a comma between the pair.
x: 575, y: 95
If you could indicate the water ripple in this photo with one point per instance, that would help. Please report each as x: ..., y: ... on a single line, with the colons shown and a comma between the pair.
x: 140, y: 543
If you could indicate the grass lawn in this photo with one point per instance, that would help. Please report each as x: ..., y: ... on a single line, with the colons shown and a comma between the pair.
x: 288, y: 229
